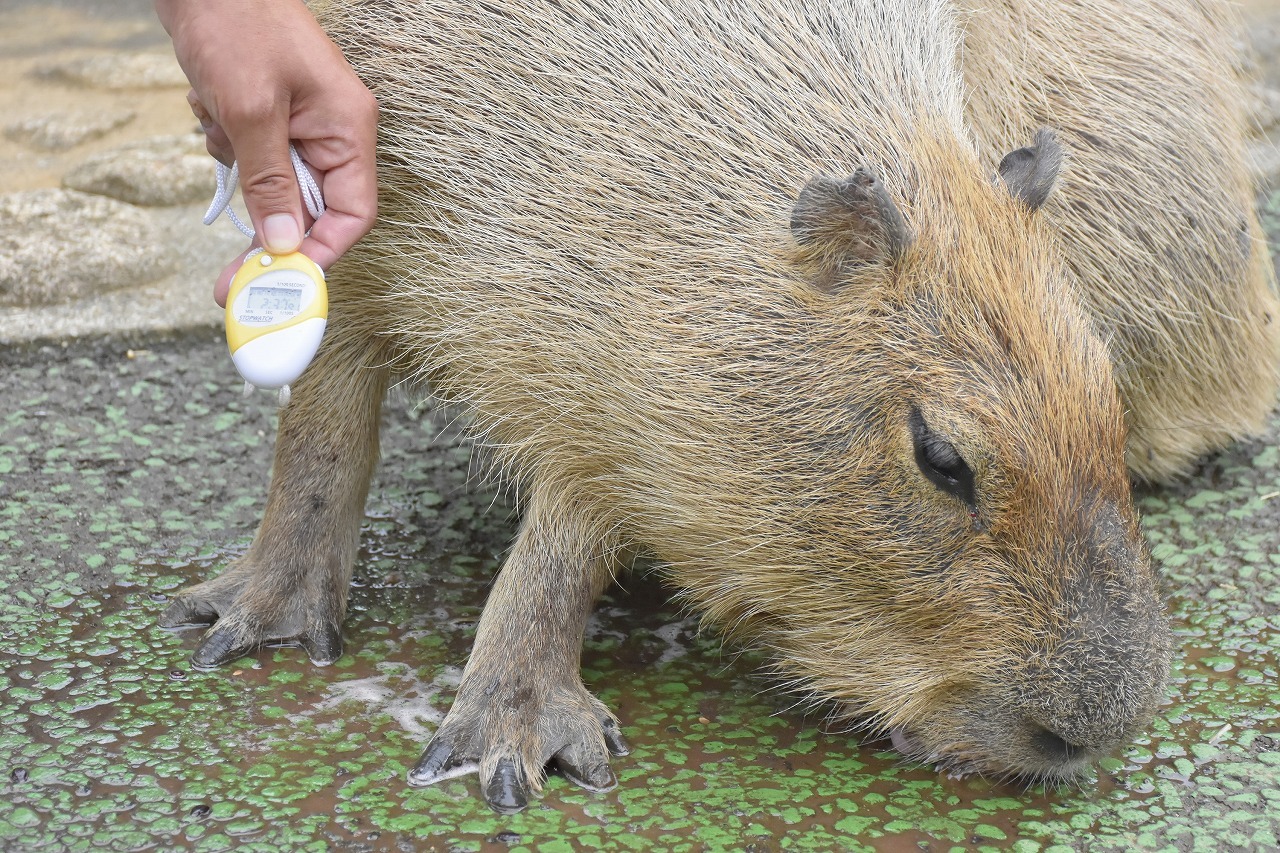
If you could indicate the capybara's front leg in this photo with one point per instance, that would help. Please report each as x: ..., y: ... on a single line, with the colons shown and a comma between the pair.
x: 521, y: 703
x: 291, y: 585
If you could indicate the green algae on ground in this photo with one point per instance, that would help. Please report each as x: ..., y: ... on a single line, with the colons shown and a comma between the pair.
x: 150, y: 474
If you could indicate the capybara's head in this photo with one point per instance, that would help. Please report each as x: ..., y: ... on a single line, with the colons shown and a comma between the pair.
x: 966, y: 570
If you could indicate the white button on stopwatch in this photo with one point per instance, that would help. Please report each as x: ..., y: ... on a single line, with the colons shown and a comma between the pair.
x: 276, y: 312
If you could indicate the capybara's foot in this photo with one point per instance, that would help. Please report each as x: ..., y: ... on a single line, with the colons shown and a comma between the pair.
x: 249, y: 609
x: 509, y: 732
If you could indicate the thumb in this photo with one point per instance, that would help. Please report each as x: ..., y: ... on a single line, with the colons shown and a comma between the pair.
x: 269, y: 185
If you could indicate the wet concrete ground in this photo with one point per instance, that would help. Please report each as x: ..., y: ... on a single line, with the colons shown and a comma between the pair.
x: 130, y: 473
x: 130, y: 467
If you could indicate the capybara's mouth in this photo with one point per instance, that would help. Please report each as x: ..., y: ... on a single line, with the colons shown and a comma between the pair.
x: 965, y: 759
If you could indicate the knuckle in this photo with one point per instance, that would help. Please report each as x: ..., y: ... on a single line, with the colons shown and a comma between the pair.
x: 270, y: 185
x: 248, y: 111
x: 366, y: 104
x: 269, y: 181
x: 366, y: 210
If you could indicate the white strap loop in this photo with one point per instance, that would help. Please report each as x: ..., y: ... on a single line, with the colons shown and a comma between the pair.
x: 229, y: 178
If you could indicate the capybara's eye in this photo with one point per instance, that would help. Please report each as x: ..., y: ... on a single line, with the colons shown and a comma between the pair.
x: 940, y: 462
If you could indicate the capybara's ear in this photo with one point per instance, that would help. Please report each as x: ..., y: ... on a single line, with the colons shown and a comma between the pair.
x: 1030, y: 172
x: 850, y: 218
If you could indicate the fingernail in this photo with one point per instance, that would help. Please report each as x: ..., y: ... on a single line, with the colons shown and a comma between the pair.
x: 280, y: 233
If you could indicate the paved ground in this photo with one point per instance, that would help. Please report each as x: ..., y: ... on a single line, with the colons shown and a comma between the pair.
x: 130, y: 466
x: 129, y: 473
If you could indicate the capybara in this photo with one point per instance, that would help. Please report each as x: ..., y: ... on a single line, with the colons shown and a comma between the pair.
x: 737, y: 285
x: 1155, y: 210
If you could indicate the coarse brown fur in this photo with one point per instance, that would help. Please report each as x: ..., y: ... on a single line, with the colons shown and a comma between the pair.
x: 1155, y: 208
x: 731, y: 283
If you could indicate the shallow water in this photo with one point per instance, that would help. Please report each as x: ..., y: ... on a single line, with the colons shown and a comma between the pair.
x: 129, y: 469
x: 127, y: 478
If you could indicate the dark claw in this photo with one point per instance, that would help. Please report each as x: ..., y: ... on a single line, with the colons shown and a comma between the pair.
x: 506, y: 792
x: 614, y: 740
x: 218, y: 647
x: 323, y: 645
x: 437, y: 762
x: 597, y: 779
x: 186, y: 613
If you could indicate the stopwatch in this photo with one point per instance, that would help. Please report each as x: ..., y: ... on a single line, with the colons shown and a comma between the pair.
x: 276, y: 313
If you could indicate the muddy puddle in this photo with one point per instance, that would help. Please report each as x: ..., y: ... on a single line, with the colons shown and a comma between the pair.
x: 110, y: 740
x: 125, y: 746
x: 131, y: 468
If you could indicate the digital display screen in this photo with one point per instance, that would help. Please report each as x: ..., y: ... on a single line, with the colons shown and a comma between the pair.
x: 274, y: 300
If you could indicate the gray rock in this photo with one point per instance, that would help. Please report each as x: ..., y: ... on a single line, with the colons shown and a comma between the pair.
x: 158, y: 172
x: 58, y: 131
x: 117, y: 71
x: 59, y: 245
x: 178, y: 301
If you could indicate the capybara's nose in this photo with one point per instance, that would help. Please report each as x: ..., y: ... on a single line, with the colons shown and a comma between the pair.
x: 1054, y: 747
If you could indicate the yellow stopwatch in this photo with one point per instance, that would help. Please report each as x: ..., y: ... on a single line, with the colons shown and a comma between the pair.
x: 276, y: 313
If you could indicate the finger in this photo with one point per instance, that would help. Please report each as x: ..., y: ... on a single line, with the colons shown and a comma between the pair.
x: 222, y: 286
x: 197, y: 108
x: 259, y: 134
x: 219, y: 147
x: 215, y: 138
x: 350, y: 192
x: 333, y: 234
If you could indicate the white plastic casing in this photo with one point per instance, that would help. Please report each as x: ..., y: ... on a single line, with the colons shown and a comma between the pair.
x: 278, y: 358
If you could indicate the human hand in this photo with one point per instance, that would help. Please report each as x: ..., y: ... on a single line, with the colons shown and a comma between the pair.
x: 263, y: 74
